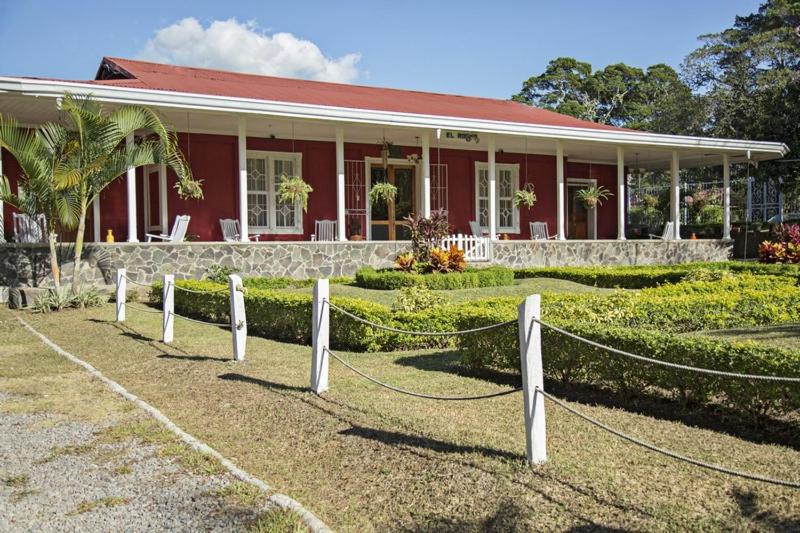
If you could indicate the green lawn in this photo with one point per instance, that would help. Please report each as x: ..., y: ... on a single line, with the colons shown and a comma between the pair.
x: 367, y: 459
x: 521, y: 288
x: 784, y: 336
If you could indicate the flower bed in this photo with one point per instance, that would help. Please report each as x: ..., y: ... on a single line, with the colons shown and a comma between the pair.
x: 390, y: 279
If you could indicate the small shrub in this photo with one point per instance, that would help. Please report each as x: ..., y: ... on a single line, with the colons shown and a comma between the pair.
x: 90, y: 297
x: 390, y: 279
x: 413, y: 299
x: 220, y: 273
x: 53, y: 300
x: 405, y: 262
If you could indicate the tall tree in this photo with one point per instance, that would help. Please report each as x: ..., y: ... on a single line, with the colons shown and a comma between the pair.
x: 750, y: 77
x: 655, y: 99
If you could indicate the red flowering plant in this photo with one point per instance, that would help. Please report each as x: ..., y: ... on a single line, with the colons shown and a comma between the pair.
x: 785, y: 248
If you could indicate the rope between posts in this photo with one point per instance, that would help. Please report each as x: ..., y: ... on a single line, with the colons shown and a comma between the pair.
x: 142, y: 309
x: 215, y: 291
x: 420, y: 333
x: 217, y: 324
x: 136, y: 282
x: 419, y: 394
x: 668, y: 453
x: 667, y: 363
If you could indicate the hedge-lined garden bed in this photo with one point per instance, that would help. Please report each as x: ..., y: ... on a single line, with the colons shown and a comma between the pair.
x: 647, y: 321
x: 391, y: 279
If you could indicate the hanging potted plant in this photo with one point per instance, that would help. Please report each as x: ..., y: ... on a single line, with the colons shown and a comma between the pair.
x: 525, y: 197
x: 593, y: 195
x: 383, y: 192
x: 293, y: 190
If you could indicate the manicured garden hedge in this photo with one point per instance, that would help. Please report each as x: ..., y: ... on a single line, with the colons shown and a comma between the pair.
x: 639, y: 277
x: 649, y: 322
x: 390, y: 279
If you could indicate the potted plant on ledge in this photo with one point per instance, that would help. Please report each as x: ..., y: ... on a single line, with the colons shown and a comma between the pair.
x: 593, y: 195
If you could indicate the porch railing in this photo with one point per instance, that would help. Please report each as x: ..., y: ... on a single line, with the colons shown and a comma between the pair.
x: 475, y: 248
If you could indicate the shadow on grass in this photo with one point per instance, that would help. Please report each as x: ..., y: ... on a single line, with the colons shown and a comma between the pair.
x: 423, y: 447
x: 182, y: 355
x: 749, y: 508
x: 395, y: 438
x: 273, y: 385
x: 764, y: 430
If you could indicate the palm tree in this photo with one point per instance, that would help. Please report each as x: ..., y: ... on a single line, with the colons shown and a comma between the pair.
x: 38, y: 193
x: 98, y: 153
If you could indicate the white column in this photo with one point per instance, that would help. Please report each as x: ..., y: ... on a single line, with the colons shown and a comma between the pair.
x: 726, y: 197
x: 530, y: 355
x: 168, y: 308
x: 620, y: 193
x: 320, y: 336
x: 243, y: 179
x: 492, y: 190
x: 96, y: 228
x: 163, y: 217
x: 675, y: 196
x: 560, y: 204
x: 120, y: 298
x: 2, y: 206
x: 238, y: 318
x: 426, y: 175
x: 131, y: 182
x: 341, y: 230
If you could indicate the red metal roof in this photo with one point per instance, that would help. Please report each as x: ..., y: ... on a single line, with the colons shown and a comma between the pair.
x: 146, y: 75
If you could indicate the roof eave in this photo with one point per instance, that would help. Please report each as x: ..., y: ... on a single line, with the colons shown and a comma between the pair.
x: 172, y: 99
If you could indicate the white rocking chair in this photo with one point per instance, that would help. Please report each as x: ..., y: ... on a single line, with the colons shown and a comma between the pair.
x: 178, y: 232
x: 30, y: 229
x: 668, y: 232
x: 230, y: 230
x: 324, y: 231
x: 539, y: 231
x: 475, y: 228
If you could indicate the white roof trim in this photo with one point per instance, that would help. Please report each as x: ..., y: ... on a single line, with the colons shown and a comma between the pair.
x: 125, y: 95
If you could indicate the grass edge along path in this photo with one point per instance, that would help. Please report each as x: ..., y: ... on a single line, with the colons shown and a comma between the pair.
x: 280, y: 500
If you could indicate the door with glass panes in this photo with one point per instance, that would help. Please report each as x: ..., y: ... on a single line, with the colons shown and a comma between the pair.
x: 386, y: 218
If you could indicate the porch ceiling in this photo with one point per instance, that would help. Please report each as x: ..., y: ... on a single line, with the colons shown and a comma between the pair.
x: 36, y: 109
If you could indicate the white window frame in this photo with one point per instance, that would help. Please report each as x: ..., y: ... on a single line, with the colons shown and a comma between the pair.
x: 272, y: 201
x: 514, y: 168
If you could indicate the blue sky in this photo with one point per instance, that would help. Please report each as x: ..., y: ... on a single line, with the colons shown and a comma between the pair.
x: 476, y: 48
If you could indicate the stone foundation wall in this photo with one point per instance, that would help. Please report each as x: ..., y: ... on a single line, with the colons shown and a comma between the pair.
x: 28, y: 264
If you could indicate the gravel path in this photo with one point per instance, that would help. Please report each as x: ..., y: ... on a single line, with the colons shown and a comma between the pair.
x: 53, y: 477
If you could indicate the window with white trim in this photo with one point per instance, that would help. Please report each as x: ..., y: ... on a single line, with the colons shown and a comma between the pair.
x: 266, y: 213
x: 507, y: 184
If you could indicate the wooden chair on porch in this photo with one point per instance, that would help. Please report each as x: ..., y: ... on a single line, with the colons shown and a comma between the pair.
x: 476, y: 229
x: 324, y: 231
x: 539, y: 231
x: 29, y: 229
x: 668, y: 232
x: 178, y: 232
x: 230, y: 229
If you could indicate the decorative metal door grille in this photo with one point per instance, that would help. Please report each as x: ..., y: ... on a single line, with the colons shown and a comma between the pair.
x: 439, y: 187
x: 355, y: 193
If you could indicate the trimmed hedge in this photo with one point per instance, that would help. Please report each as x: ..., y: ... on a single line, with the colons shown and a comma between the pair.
x: 572, y: 361
x: 640, y: 277
x: 648, y: 322
x: 279, y: 282
x: 390, y: 279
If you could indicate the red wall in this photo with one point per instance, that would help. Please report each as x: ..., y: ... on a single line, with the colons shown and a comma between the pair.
x: 213, y: 159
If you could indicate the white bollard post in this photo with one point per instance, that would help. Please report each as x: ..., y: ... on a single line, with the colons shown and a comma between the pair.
x: 320, y: 312
x: 120, y: 296
x: 238, y: 320
x: 530, y: 352
x: 168, y: 305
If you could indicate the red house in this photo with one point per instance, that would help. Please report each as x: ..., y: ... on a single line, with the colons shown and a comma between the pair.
x: 465, y: 155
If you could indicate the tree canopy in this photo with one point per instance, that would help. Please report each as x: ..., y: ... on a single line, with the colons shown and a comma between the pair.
x: 742, y: 82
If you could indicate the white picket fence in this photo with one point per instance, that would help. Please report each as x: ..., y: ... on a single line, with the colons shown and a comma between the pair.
x: 475, y: 248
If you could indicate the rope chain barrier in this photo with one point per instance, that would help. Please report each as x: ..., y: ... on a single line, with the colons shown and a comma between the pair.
x: 667, y: 363
x: 217, y: 324
x: 143, y: 310
x: 668, y: 453
x: 178, y: 287
x: 419, y: 394
x: 420, y: 333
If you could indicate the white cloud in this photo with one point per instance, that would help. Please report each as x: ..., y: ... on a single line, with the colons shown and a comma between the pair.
x: 243, y: 47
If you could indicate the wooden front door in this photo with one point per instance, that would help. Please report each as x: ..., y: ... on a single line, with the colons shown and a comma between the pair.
x: 387, y: 218
x: 580, y: 219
